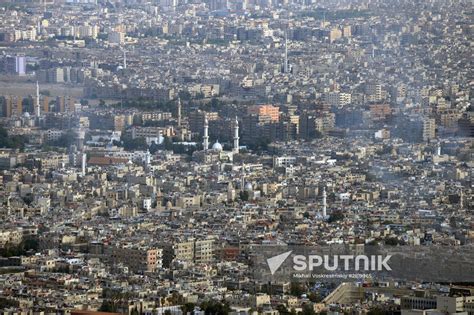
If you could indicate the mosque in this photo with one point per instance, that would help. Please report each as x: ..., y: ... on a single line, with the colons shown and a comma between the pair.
x: 216, y: 153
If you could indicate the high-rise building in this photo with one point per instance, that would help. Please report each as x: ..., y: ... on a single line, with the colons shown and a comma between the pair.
x: 270, y: 111
x: 15, y: 65
x: 8, y: 106
x: 334, y: 34
x: 116, y: 37
x: 19, y: 106
x: 429, y: 129
x: 45, y: 104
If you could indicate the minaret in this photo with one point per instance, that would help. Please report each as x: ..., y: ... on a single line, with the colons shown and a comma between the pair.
x: 83, y: 163
x: 37, y: 105
x: 285, y: 66
x: 81, y: 135
x: 124, y: 59
x: 324, y: 203
x: 242, y: 177
x: 147, y: 160
x: 236, y: 136
x: 179, y: 112
x: 205, y: 139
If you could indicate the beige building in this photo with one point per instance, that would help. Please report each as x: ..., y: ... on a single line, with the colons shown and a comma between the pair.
x: 137, y: 258
x: 429, y: 129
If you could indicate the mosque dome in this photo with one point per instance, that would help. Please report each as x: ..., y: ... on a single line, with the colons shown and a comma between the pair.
x: 217, y: 146
x: 248, y: 186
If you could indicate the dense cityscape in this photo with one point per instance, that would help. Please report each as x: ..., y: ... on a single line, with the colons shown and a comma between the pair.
x: 148, y: 148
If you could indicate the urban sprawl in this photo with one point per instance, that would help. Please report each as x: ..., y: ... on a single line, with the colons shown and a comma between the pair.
x: 149, y: 148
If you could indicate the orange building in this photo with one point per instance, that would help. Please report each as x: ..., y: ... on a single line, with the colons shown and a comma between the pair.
x: 265, y: 110
x: 45, y: 104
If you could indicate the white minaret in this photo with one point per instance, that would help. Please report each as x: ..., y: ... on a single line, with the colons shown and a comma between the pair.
x: 236, y: 136
x: 124, y: 59
x: 37, y: 105
x: 147, y: 160
x: 285, y: 66
x: 179, y: 112
x: 83, y: 163
x: 81, y: 136
x: 205, y: 139
x: 324, y: 203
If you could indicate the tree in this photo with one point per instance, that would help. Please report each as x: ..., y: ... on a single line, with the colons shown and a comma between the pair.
x: 188, y: 308
x: 315, y: 297
x: 392, y: 241
x: 154, y: 147
x: 296, y: 289
x: 336, y: 216
x: 215, y: 308
x: 184, y: 95
x: 452, y: 222
x: 131, y: 144
x: 168, y: 143
x: 13, y: 142
x: 308, y: 310
x: 26, y: 245
x: 282, y: 309
x: 377, y: 310
x: 244, y: 195
x: 108, y: 306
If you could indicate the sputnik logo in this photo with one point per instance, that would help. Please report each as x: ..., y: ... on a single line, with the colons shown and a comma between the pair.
x: 276, y: 261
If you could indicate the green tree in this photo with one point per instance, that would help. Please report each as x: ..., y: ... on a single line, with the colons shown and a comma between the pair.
x: 215, y: 308
x: 282, y: 309
x: 187, y: 308
x: 184, y: 95
x: 12, y: 142
x: 377, y: 310
x: 315, y: 297
x: 336, y: 216
x: 296, y: 289
x: 131, y: 144
x: 108, y: 306
x: 391, y: 241
x: 307, y: 310
x: 244, y: 195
